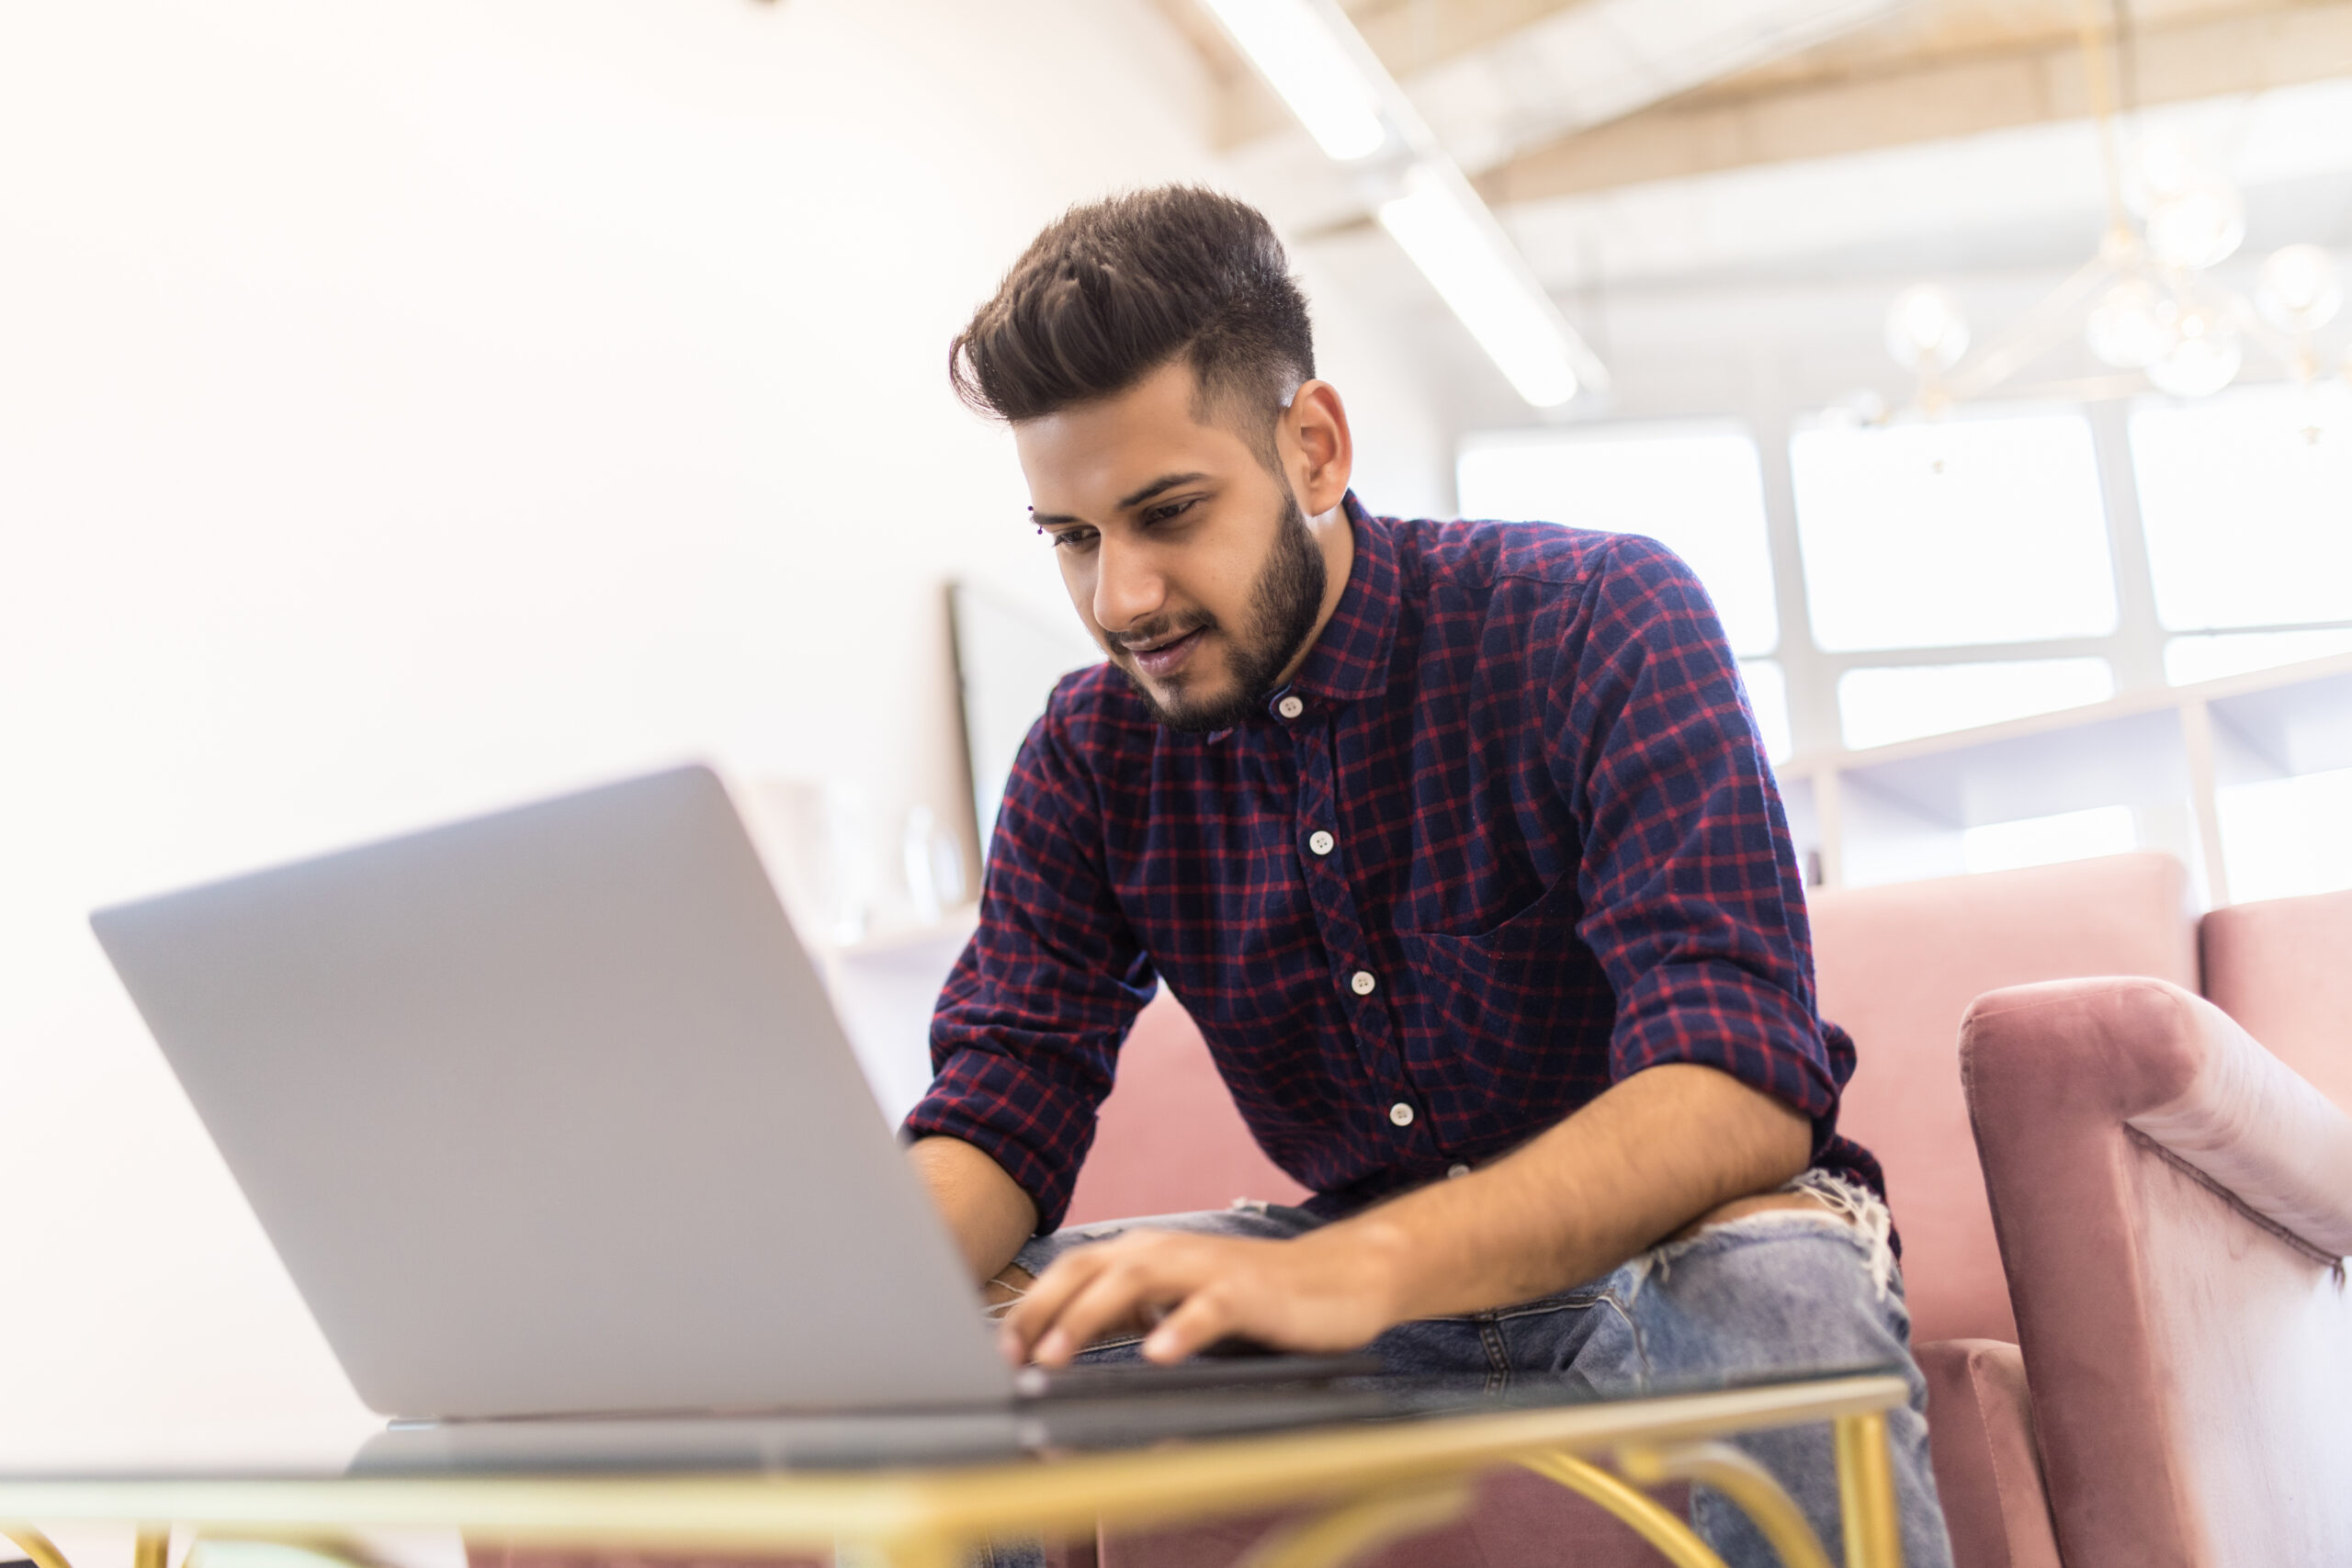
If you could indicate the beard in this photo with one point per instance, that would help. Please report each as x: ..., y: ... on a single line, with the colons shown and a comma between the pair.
x: 1283, y: 605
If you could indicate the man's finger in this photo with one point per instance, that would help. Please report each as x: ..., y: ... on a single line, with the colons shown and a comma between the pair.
x: 1035, y: 1312
x: 1110, y: 1299
x: 1206, y: 1317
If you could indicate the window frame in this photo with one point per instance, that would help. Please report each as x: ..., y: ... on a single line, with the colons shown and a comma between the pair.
x: 1632, y: 431
x: 2134, y: 650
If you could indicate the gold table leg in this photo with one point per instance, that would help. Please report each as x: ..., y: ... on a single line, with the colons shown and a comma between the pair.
x: 1738, y: 1477
x: 1651, y: 1519
x: 1866, y: 1493
x: 1865, y: 1486
x: 153, y: 1548
x: 1348, y: 1531
x: 35, y: 1545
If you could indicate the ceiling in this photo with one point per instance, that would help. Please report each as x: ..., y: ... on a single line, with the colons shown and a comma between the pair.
x: 1514, y: 85
x: 1695, y: 152
x: 1936, y: 69
x: 1544, y: 100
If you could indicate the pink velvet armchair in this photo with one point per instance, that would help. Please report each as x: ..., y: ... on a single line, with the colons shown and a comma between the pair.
x: 2173, y: 1201
x: 2173, y: 1204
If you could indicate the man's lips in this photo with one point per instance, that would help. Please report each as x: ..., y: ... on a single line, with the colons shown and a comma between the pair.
x: 1163, y: 658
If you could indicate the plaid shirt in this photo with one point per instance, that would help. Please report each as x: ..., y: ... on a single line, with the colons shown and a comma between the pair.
x: 1508, y: 837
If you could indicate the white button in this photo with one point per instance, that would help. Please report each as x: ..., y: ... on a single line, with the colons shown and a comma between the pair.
x: 1454, y: 1170
x: 1401, y: 1113
x: 1321, y: 841
x: 1361, y: 982
x: 1289, y: 707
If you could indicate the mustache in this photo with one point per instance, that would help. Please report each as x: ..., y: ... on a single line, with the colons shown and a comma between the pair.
x: 1166, y: 630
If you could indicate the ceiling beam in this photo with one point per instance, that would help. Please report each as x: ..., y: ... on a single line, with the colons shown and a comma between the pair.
x: 1410, y: 37
x: 1780, y: 116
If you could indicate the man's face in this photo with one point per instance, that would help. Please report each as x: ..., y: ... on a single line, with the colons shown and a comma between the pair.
x: 1187, y: 559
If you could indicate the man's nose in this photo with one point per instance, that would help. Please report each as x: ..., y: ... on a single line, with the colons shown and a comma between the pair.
x: 1128, y: 587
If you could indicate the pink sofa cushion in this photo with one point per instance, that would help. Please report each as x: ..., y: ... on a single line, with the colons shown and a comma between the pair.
x: 1898, y: 967
x: 1980, y: 1433
x: 2170, y: 1198
x: 1170, y: 1140
x: 2283, y: 969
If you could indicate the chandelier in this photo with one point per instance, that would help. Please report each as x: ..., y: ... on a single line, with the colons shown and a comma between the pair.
x: 2147, y: 304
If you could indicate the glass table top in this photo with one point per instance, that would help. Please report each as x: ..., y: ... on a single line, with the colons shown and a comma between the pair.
x: 1109, y: 1410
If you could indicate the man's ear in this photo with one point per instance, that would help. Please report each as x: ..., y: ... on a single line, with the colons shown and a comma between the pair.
x: 1317, y: 449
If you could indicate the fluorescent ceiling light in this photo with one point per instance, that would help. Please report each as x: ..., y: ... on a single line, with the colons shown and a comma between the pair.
x: 1464, y: 261
x: 1296, y: 53
x: 1310, y: 52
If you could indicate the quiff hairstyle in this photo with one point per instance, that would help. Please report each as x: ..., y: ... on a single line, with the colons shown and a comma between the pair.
x: 1114, y: 289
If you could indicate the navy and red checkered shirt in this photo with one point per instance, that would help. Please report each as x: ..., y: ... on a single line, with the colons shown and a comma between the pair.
x: 1556, y: 857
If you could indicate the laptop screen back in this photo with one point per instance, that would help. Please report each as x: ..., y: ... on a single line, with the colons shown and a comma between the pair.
x: 547, y: 1111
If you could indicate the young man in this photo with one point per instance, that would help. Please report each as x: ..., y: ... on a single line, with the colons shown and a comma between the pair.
x: 1456, y: 840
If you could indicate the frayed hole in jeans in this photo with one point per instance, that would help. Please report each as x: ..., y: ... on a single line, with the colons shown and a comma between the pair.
x: 1844, y: 1203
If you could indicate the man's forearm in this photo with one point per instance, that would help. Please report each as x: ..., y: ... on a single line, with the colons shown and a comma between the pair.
x: 1643, y: 1160
x: 987, y: 1211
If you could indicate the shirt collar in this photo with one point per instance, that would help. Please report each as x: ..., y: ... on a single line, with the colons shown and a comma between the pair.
x: 1350, y: 660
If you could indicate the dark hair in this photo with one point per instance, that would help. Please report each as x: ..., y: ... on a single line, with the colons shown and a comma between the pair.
x: 1114, y: 289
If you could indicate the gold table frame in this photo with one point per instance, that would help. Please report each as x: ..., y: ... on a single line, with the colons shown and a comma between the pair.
x: 1370, y: 1485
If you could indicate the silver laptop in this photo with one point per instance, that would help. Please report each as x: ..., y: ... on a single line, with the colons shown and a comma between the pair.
x: 547, y: 1111
x: 548, y: 1114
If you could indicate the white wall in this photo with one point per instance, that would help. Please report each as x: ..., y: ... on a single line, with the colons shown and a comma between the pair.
x: 407, y: 409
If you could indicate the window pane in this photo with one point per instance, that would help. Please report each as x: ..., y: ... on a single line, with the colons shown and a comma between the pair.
x: 1697, y: 490
x: 2284, y: 838
x: 2043, y: 841
x: 2249, y: 516
x: 1962, y: 531
x: 1876, y: 708
x: 2192, y: 659
x: 1768, y: 698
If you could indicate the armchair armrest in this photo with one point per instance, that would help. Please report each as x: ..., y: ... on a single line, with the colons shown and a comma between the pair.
x: 2173, y: 1204
x: 2266, y: 1138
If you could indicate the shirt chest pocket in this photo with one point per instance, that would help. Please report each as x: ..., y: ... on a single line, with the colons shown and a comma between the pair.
x: 1519, y: 992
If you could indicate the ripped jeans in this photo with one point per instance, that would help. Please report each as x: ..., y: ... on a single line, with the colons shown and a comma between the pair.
x: 1792, y: 1289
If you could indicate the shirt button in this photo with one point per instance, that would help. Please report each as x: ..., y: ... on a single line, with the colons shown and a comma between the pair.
x: 1289, y: 707
x: 1321, y: 841
x: 1401, y: 1113
x: 1454, y: 1170
x: 1361, y: 982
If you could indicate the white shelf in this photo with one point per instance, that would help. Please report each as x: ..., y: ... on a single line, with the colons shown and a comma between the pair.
x: 1890, y: 813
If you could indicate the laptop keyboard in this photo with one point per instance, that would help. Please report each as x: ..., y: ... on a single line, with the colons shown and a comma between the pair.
x: 1126, y: 1379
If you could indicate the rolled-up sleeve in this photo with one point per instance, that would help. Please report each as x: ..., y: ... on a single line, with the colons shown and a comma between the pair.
x: 1027, y: 1029
x: 1691, y: 900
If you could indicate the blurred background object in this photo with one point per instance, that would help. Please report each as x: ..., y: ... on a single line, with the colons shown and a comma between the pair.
x: 2173, y: 216
x: 1008, y: 657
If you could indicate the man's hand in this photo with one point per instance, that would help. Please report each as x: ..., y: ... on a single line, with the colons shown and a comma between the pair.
x: 1306, y: 1294
x: 1666, y: 1148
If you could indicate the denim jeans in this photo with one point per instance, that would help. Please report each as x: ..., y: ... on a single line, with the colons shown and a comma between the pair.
x: 1784, y: 1290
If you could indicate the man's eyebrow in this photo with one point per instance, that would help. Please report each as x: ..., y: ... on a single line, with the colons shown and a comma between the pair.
x: 1165, y: 482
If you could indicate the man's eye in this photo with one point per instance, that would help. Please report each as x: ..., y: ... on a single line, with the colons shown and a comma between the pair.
x: 1171, y: 512
x: 1070, y: 538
